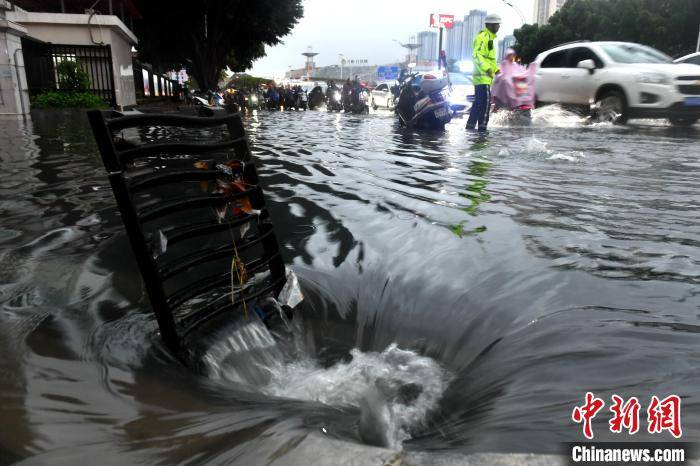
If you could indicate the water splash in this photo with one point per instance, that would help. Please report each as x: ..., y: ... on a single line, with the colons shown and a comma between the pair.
x: 557, y: 116
x: 394, y: 389
x: 538, y: 147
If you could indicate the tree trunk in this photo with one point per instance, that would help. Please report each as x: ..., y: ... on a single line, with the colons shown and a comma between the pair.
x: 204, y: 64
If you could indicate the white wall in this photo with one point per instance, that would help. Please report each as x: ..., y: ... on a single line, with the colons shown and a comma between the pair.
x: 73, y: 29
x: 14, y: 98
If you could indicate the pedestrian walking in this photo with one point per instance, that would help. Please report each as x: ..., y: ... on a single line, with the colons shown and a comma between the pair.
x: 485, y: 68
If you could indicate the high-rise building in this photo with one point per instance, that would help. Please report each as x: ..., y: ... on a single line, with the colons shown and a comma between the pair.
x: 473, y: 24
x: 455, y: 42
x: 427, y: 53
x: 503, y: 45
x: 544, y: 9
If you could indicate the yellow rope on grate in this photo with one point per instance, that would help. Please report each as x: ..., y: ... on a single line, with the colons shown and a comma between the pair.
x: 237, y: 267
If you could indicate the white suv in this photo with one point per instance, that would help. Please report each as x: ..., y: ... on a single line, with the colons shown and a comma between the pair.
x: 618, y: 81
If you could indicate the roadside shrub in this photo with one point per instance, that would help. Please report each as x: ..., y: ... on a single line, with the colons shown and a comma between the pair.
x: 68, y: 99
x: 71, y: 76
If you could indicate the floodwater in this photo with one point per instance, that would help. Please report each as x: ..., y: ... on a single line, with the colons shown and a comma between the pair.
x: 463, y: 293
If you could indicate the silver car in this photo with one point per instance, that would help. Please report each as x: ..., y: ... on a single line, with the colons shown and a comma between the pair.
x: 461, y: 97
x: 382, y: 97
x: 618, y: 81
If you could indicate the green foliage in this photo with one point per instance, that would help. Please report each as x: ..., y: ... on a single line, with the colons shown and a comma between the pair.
x: 207, y: 36
x: 244, y: 81
x: 667, y: 25
x: 72, y: 76
x: 68, y: 99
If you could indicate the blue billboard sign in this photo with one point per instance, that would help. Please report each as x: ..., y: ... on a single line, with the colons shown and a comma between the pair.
x: 387, y: 73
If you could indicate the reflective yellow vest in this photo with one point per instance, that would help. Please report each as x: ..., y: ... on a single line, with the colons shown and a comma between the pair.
x: 484, y: 57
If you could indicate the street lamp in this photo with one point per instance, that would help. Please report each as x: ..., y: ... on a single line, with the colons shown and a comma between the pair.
x: 517, y: 10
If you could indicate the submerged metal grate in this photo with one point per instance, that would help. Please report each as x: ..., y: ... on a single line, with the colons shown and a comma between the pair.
x: 194, y: 214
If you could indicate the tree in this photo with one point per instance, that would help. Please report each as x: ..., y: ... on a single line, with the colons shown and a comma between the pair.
x: 668, y: 25
x: 207, y: 36
x: 244, y: 81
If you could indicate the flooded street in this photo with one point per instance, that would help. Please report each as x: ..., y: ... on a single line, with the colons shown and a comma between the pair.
x: 489, y: 281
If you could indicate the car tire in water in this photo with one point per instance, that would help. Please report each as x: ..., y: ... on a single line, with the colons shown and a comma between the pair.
x: 684, y: 121
x: 612, y: 107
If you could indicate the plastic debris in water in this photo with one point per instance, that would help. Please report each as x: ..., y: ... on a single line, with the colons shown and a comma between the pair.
x: 230, y: 167
x: 291, y: 294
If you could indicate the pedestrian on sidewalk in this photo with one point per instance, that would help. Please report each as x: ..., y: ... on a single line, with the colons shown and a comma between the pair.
x: 485, y: 68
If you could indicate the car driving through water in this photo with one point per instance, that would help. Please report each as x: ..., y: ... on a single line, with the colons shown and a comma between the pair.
x: 382, y: 95
x: 618, y: 81
x: 461, y: 96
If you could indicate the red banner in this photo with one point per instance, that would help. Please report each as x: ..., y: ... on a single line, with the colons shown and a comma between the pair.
x: 442, y: 21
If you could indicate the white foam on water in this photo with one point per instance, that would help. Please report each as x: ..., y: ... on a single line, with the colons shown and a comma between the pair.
x: 395, y: 389
x: 348, y: 383
x: 556, y: 116
x: 570, y: 157
x: 537, y: 147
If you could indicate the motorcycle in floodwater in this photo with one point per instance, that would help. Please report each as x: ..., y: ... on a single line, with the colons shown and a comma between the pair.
x: 231, y: 101
x: 300, y: 100
x: 357, y: 101
x: 287, y: 99
x: 334, y: 100
x: 513, y: 90
x: 316, y: 98
x: 253, y: 101
x: 272, y: 100
x: 197, y: 100
x: 421, y: 102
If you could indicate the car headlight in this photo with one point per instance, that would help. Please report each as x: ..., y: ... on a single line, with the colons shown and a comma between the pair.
x: 253, y: 99
x: 653, y: 78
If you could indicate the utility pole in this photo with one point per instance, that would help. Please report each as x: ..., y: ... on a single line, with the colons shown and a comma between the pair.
x: 440, y: 48
x: 697, y: 47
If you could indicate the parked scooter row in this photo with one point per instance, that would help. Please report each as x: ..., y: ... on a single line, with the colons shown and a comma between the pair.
x: 233, y: 100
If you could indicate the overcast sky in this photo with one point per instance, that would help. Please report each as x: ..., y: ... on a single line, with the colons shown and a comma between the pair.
x: 366, y: 29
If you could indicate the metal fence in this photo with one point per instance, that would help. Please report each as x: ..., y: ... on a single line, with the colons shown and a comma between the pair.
x: 41, y: 60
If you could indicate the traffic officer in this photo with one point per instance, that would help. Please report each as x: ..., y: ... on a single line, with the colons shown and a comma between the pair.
x: 485, y: 68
